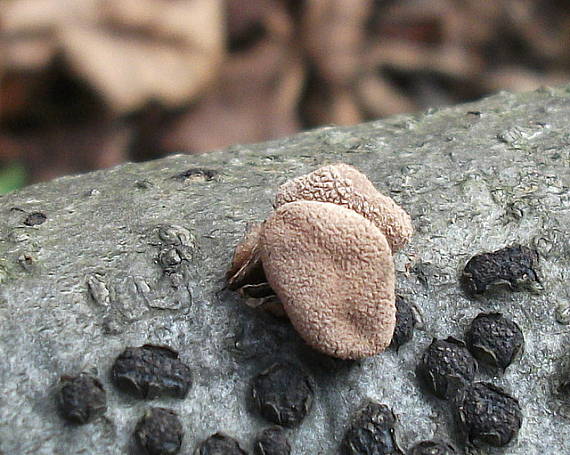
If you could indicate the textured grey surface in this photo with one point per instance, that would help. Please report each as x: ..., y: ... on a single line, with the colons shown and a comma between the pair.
x: 132, y: 255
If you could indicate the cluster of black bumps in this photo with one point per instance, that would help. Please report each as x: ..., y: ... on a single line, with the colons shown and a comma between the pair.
x: 283, y: 394
x: 145, y: 372
x: 486, y: 414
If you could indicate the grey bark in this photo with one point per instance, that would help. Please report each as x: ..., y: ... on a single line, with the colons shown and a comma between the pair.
x: 137, y: 254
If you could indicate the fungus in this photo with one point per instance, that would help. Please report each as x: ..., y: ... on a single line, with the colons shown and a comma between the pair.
x: 151, y: 371
x: 405, y: 323
x: 159, y: 432
x: 326, y: 254
x: 487, y: 414
x: 219, y: 443
x: 81, y: 398
x: 344, y: 185
x: 446, y: 366
x: 371, y: 431
x: 495, y: 340
x: 435, y: 447
x: 515, y: 267
x: 272, y: 441
x: 333, y: 272
x: 282, y: 394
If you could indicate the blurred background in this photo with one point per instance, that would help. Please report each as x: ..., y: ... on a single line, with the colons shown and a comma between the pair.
x: 88, y: 84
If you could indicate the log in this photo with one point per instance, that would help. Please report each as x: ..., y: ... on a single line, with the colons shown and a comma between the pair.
x: 95, y: 263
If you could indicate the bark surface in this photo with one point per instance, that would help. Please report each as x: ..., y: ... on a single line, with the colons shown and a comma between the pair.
x: 137, y: 254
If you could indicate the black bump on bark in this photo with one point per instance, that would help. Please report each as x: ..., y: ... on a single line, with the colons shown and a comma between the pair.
x: 433, y: 447
x: 371, y: 432
x: 151, y: 371
x: 282, y: 394
x: 515, y: 266
x: 272, y: 441
x: 494, y: 340
x: 35, y: 219
x: 219, y: 444
x: 81, y: 398
x: 487, y: 414
x: 159, y: 432
x: 446, y: 366
x: 405, y: 323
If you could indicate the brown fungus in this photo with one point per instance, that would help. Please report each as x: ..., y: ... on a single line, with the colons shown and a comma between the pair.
x: 344, y: 185
x: 326, y: 253
x: 333, y: 272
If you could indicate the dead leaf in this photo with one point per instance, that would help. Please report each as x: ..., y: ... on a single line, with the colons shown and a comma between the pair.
x: 130, y: 51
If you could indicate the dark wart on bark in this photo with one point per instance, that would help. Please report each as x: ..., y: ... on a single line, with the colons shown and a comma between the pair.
x: 515, y: 267
x: 219, y: 444
x: 197, y: 174
x: 81, y: 398
x: 446, y: 366
x: 159, y: 432
x: 282, y: 394
x: 371, y: 432
x: 272, y: 441
x: 487, y: 414
x: 151, y: 371
x: 405, y: 323
x: 495, y: 340
x: 433, y: 448
x: 35, y: 219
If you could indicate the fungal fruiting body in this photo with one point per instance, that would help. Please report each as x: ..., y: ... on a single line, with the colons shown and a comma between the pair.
x: 326, y: 253
x: 336, y: 294
x: 344, y: 185
x: 372, y: 431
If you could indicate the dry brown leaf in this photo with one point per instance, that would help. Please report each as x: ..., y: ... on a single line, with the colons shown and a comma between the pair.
x: 130, y: 51
x: 379, y: 97
x: 255, y: 98
x: 334, y: 35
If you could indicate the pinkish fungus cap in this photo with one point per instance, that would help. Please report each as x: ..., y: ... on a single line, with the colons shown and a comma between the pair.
x: 332, y: 269
x: 344, y: 185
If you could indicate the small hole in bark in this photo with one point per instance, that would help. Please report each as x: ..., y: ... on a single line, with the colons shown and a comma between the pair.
x: 35, y: 219
x: 197, y: 175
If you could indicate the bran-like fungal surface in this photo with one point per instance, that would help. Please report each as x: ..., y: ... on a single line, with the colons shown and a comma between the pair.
x: 333, y: 271
x: 344, y: 185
